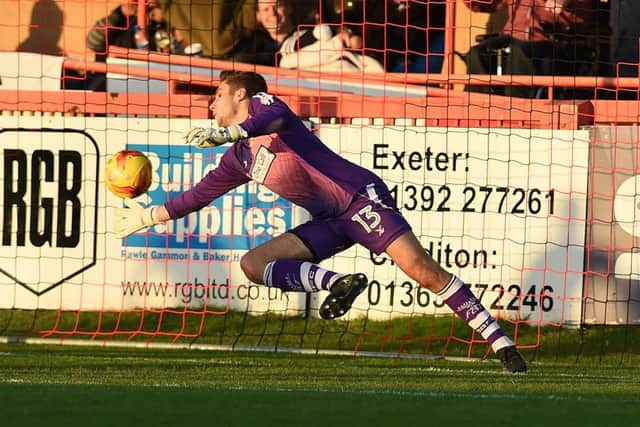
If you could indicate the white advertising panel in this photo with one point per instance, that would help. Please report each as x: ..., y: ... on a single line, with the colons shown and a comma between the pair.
x: 503, y: 209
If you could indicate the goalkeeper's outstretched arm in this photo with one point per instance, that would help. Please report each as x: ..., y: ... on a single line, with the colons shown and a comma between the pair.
x: 228, y: 175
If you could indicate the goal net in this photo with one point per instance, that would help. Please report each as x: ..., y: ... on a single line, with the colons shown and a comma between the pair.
x: 530, y: 201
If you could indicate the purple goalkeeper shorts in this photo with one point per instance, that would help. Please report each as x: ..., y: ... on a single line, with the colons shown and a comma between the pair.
x: 371, y: 220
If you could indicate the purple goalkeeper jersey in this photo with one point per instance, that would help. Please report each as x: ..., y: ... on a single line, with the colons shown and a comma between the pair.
x: 284, y: 156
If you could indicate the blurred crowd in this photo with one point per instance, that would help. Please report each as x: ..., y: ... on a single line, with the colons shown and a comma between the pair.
x: 528, y: 37
x: 378, y: 35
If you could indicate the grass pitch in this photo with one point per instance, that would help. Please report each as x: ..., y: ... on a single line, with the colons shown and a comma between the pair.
x: 63, y: 386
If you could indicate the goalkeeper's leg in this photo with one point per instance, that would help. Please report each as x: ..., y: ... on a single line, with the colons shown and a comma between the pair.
x: 286, y: 263
x: 411, y: 257
x: 302, y: 276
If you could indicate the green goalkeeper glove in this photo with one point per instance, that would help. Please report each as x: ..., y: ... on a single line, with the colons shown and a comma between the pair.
x: 210, y: 137
x: 133, y: 218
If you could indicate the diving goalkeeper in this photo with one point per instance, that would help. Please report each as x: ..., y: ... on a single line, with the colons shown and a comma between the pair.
x: 348, y: 205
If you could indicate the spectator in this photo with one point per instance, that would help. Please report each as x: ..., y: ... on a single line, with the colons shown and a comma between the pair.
x: 624, y: 16
x: 540, y: 37
x: 275, y: 23
x: 161, y: 37
x: 116, y: 29
x: 277, y: 31
x: 315, y: 47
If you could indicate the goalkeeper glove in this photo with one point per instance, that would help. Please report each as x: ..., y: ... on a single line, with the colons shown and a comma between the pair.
x: 208, y: 137
x: 133, y: 218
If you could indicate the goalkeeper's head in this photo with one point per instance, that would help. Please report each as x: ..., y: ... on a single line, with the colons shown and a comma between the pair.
x: 230, y: 104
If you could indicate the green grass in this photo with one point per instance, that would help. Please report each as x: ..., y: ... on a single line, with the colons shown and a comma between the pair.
x: 70, y: 386
x: 578, y: 377
x: 419, y: 335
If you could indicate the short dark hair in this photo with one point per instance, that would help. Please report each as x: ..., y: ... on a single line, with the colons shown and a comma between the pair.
x: 249, y: 80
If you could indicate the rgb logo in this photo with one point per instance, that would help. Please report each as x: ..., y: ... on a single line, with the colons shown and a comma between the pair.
x: 240, y: 219
x: 49, y: 206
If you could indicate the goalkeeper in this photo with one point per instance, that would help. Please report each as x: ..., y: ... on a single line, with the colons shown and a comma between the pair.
x: 348, y: 204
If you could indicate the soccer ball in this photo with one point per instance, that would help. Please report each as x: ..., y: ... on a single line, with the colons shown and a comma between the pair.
x: 128, y: 174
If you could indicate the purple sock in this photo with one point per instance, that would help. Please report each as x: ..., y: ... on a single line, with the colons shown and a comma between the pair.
x: 292, y: 275
x: 462, y: 301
